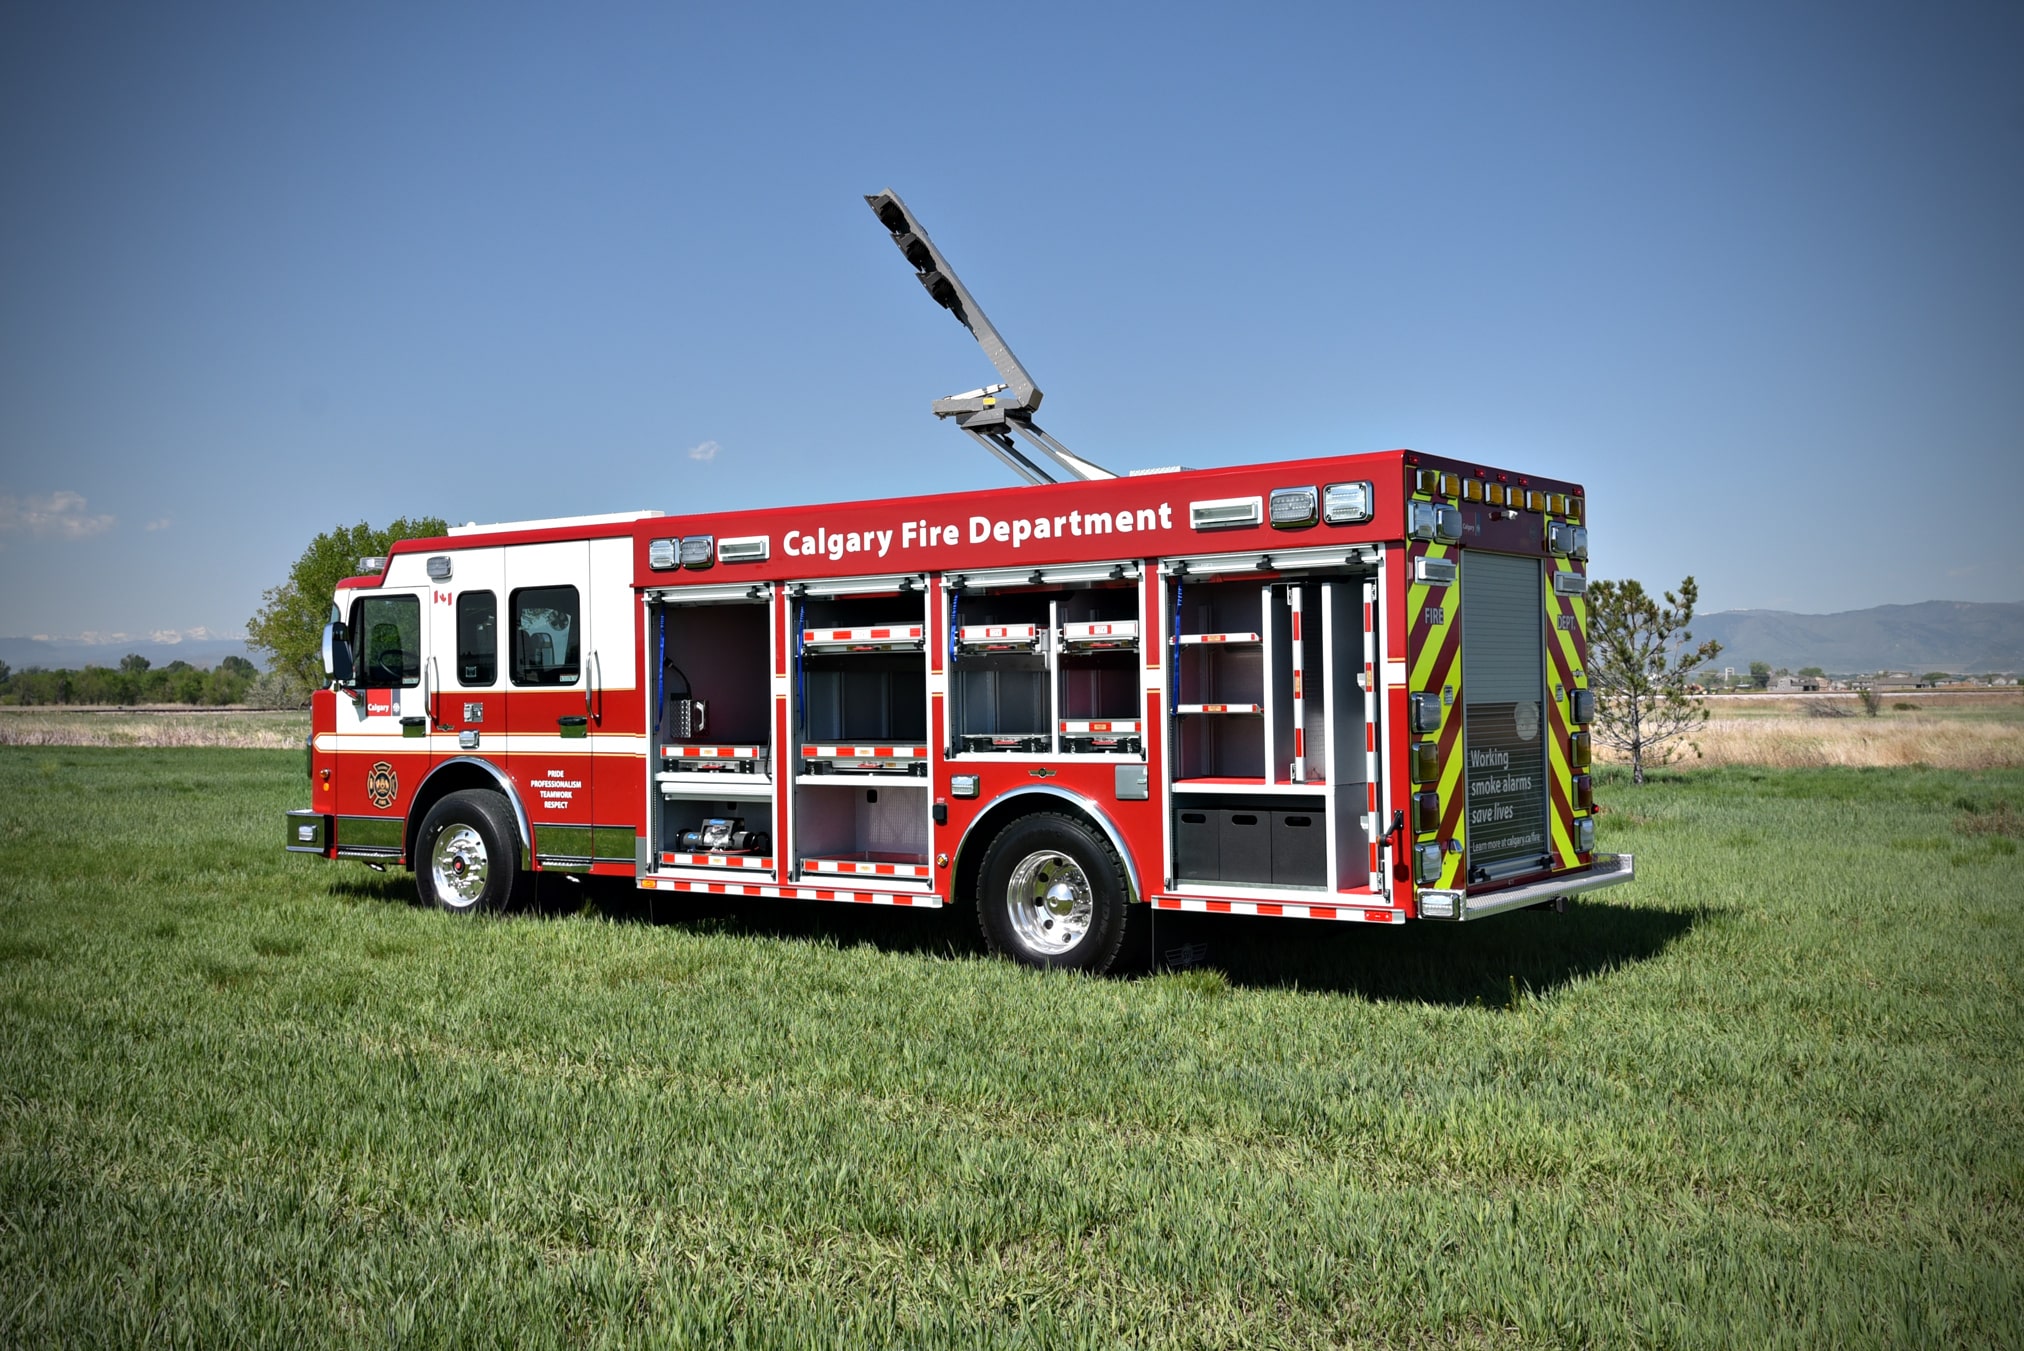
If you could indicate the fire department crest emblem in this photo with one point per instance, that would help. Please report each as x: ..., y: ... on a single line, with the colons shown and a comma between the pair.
x: 381, y: 784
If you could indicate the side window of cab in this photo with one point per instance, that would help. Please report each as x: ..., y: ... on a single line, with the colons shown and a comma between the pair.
x: 386, y: 633
x: 477, y: 638
x: 546, y: 628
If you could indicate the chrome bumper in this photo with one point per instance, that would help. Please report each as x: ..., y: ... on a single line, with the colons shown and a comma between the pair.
x: 1608, y: 870
x: 307, y: 832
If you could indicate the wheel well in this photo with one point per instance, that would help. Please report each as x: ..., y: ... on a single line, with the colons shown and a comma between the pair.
x: 977, y: 839
x: 454, y: 776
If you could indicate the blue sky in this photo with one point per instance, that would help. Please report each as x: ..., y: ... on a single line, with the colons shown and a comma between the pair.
x: 1750, y: 272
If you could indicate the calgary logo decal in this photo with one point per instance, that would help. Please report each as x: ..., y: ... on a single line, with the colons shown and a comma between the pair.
x: 382, y: 784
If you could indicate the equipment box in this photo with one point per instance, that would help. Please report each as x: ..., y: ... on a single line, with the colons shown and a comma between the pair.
x: 1299, y: 849
x: 1196, y: 857
x: 1251, y: 845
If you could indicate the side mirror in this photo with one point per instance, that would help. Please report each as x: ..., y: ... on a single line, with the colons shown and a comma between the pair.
x: 337, y: 654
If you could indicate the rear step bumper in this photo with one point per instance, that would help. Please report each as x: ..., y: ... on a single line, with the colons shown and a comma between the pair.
x: 1608, y: 870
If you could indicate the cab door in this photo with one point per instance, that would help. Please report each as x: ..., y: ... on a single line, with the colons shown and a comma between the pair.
x: 382, y: 732
x: 467, y: 672
x: 548, y: 659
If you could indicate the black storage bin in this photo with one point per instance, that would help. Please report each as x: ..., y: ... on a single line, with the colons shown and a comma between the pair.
x: 1244, y: 838
x: 1196, y: 858
x: 1299, y: 849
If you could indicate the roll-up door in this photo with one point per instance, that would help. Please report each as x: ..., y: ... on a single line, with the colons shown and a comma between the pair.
x: 1503, y: 684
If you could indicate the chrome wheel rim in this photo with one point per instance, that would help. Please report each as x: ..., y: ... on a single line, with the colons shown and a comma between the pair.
x: 459, y: 865
x: 1050, y: 902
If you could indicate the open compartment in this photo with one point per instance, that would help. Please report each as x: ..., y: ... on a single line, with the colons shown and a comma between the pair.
x: 1219, y: 701
x: 1253, y: 842
x: 862, y: 829
x: 1100, y: 701
x: 728, y: 833
x: 712, y: 666
x: 861, y: 671
x: 998, y: 672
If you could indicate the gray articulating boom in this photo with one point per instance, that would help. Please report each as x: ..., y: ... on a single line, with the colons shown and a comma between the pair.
x: 992, y: 414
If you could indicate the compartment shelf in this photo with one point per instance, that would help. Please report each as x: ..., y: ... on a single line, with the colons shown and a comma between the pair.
x: 1100, y: 636
x: 1000, y: 638
x: 707, y: 785
x: 869, y: 863
x: 866, y: 638
x: 1219, y: 708
x: 1224, y: 639
x: 740, y: 862
x: 1226, y: 785
x: 872, y: 759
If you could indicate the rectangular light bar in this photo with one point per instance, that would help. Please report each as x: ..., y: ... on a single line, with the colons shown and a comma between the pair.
x: 1224, y: 513
x: 1569, y: 584
x: 1345, y: 503
x: 744, y: 549
x: 1294, y: 507
x: 1434, y: 571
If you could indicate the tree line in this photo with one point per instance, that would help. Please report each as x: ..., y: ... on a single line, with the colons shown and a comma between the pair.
x: 234, y: 680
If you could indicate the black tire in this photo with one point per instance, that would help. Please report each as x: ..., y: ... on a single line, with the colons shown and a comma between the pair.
x: 1052, y: 894
x: 467, y: 853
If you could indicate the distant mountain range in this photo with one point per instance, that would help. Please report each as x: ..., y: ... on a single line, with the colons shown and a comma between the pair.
x: 55, y: 654
x: 1962, y: 637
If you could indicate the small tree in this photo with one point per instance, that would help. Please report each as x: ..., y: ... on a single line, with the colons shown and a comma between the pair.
x: 1760, y: 674
x: 1639, y: 663
x: 289, y: 625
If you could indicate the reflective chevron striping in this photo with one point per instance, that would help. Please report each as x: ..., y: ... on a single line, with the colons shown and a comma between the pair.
x: 1567, y: 671
x: 1434, y: 655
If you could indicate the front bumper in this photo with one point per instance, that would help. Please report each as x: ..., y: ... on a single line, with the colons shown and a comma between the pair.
x: 308, y: 832
x: 1608, y: 870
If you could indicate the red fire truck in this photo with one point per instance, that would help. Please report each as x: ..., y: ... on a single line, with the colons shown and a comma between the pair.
x: 1350, y: 688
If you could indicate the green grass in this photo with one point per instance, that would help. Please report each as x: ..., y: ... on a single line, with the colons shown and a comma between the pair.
x: 1768, y: 1095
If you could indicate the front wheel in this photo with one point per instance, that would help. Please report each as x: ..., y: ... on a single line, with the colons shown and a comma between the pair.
x: 467, y: 856
x: 1053, y: 895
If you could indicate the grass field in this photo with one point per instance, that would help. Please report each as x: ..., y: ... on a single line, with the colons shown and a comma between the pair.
x: 1773, y: 1094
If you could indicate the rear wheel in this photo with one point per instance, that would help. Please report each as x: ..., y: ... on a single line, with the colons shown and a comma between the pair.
x: 1052, y: 895
x: 467, y: 855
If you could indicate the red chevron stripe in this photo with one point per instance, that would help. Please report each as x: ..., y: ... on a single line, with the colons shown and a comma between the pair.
x: 1444, y: 660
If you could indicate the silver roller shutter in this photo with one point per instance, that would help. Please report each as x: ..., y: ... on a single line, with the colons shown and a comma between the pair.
x: 1503, y: 689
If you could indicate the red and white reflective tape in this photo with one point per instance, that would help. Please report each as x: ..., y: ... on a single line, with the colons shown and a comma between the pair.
x: 998, y: 633
x: 1083, y: 633
x: 1219, y: 708
x: 890, y: 633
x: 1113, y: 725
x: 1281, y: 910
x: 924, y: 899
x: 860, y: 868
x: 864, y: 752
x: 716, y: 861
x: 1188, y: 639
x: 712, y: 752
